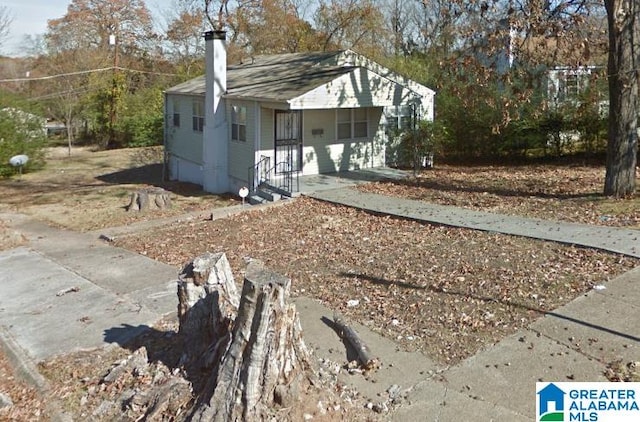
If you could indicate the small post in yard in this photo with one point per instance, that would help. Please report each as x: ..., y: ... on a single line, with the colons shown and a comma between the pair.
x: 244, y: 192
x: 113, y: 41
x: 19, y: 161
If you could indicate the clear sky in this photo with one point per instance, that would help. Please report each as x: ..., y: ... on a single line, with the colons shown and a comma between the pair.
x: 30, y: 18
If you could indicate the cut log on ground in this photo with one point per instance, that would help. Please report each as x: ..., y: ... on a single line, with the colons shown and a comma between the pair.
x: 258, y: 356
x: 353, y: 339
x: 144, y: 199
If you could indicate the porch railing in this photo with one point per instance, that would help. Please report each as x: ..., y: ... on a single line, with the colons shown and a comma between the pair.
x: 259, y: 173
x: 282, y: 176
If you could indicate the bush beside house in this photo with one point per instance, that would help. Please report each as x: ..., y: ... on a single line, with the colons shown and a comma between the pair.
x: 21, y: 133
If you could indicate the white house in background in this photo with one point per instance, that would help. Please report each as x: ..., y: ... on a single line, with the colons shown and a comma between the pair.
x: 566, y: 83
x: 275, y: 116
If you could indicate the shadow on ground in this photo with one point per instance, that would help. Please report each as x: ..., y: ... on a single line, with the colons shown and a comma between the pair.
x: 162, y: 346
x: 445, y: 186
x: 151, y: 174
x: 511, y: 303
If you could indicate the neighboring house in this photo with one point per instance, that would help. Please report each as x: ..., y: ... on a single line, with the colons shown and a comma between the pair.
x: 565, y: 84
x: 281, y: 115
x: 55, y: 127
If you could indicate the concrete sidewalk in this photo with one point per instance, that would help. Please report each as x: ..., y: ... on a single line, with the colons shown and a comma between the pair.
x: 68, y: 291
x: 613, y: 239
x: 65, y: 291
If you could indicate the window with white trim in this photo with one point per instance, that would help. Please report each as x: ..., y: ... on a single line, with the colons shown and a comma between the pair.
x: 198, y: 115
x: 569, y: 87
x: 176, y: 113
x: 239, y: 123
x: 399, y: 119
x: 353, y: 123
x: 360, y: 123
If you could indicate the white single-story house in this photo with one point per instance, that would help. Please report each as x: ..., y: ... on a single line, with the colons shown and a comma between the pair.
x: 273, y: 116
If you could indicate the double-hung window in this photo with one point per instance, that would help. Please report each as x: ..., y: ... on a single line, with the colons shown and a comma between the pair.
x: 176, y: 114
x: 352, y: 123
x: 238, y: 123
x: 198, y: 115
x: 399, y: 119
x: 360, y: 123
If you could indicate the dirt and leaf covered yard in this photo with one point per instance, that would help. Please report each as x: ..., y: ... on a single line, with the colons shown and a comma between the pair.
x: 443, y: 291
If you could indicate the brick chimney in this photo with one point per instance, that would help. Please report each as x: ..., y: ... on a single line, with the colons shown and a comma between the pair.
x: 215, y: 135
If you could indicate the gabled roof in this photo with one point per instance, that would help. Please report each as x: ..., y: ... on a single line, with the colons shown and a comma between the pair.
x: 269, y: 79
x: 276, y: 77
x: 283, y: 77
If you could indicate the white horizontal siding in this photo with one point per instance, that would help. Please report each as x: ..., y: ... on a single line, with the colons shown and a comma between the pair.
x: 267, y: 134
x: 316, y: 155
x: 241, y: 153
x: 427, y: 94
x: 378, y: 143
x: 323, y: 153
x: 182, y: 141
x: 358, y: 88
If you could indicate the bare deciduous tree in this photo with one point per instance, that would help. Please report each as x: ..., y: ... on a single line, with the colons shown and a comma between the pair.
x: 350, y: 24
x: 184, y: 41
x: 89, y: 24
x: 6, y: 19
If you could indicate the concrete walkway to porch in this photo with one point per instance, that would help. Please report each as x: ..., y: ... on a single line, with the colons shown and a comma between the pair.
x: 323, y: 182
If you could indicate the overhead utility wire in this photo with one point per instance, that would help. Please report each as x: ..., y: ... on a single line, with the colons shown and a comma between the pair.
x: 104, y: 69
x: 43, y: 78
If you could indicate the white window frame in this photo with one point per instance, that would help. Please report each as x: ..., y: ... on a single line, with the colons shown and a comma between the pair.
x: 239, y: 123
x: 399, y: 119
x: 197, y: 116
x: 175, y: 121
x: 355, y: 127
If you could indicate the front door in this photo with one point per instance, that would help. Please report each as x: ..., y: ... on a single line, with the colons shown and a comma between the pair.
x: 288, y: 141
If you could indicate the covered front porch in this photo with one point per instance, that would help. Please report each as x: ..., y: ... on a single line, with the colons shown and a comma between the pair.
x: 306, y: 184
x: 319, y: 182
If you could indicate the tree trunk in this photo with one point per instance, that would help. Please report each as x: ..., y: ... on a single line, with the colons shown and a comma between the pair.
x: 622, y: 147
x: 257, y: 357
x: 140, y: 200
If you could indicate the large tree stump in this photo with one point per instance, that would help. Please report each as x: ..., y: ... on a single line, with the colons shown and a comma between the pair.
x: 257, y: 355
x: 207, y: 305
x: 142, y: 199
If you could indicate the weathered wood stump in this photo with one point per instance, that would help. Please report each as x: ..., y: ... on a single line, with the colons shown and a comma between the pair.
x: 253, y: 342
x: 143, y: 199
x: 207, y: 305
x: 350, y: 335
